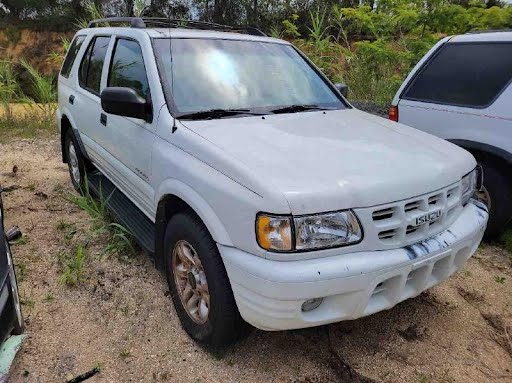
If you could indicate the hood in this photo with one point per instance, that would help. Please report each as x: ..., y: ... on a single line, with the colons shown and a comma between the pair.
x: 338, y: 159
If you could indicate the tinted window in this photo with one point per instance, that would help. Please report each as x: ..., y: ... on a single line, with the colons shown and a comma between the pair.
x: 92, y: 64
x: 127, y: 68
x: 470, y: 75
x: 70, y: 57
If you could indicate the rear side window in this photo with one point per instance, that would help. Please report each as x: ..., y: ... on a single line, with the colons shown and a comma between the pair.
x: 464, y: 74
x: 89, y: 75
x: 127, y: 68
x: 71, y: 55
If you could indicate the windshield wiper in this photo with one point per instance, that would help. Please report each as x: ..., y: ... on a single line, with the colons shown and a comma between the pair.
x: 216, y: 113
x: 296, y: 108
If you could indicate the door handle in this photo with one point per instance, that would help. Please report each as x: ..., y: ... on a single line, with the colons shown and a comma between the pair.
x: 72, y: 99
x: 103, y: 119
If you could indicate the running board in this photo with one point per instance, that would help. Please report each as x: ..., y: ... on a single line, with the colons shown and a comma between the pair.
x: 124, y: 211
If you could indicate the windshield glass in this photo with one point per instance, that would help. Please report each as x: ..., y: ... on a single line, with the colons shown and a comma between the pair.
x: 212, y: 74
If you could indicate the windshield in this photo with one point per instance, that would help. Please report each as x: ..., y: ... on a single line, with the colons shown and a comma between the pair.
x: 250, y: 76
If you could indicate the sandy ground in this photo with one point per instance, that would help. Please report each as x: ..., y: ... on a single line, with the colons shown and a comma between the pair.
x: 121, y: 317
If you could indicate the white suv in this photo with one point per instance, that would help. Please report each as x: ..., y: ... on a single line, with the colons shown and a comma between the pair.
x: 258, y: 189
x: 461, y: 90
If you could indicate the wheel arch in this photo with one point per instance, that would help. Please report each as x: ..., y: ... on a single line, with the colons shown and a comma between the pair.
x: 174, y: 197
x: 66, y: 125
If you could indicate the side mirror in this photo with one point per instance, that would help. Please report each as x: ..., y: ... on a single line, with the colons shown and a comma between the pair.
x: 342, y: 88
x: 125, y: 102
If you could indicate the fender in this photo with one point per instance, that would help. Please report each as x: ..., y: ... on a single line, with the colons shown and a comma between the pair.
x: 486, y: 148
x: 179, y: 189
x: 75, y: 132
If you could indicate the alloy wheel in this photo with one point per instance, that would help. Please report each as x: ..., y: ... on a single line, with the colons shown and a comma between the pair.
x: 190, y: 280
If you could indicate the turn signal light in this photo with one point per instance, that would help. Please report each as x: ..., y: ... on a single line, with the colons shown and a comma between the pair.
x: 393, y: 113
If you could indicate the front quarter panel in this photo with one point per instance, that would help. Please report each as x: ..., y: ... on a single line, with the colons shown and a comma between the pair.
x: 216, y: 186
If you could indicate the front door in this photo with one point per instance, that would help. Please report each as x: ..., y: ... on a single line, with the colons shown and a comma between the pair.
x: 129, y: 140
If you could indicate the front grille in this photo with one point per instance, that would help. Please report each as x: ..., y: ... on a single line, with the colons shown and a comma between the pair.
x: 395, y: 224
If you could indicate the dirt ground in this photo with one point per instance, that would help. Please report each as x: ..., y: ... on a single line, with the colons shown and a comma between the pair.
x: 121, y: 317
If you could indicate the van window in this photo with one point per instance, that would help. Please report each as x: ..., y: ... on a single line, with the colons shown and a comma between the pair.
x: 71, y: 55
x: 92, y: 64
x: 127, y: 68
x: 464, y: 74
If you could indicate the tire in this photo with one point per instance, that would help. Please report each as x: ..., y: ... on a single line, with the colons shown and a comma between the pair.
x: 223, y: 323
x: 498, y: 192
x: 76, y: 162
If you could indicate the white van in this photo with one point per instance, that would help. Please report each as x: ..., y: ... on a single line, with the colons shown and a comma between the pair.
x: 461, y: 91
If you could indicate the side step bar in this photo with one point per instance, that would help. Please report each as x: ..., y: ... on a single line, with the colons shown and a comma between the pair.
x: 124, y: 211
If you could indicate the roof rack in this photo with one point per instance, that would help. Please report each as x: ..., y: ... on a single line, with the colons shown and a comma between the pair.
x: 145, y: 22
x: 477, y: 32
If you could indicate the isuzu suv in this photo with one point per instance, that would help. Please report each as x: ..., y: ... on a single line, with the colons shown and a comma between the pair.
x: 461, y: 90
x: 259, y: 190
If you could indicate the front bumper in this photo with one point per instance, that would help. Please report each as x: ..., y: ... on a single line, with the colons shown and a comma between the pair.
x: 270, y: 294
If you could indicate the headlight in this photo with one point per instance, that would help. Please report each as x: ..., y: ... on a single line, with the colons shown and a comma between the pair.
x: 469, y: 182
x: 274, y: 232
x: 313, y: 232
x: 327, y: 230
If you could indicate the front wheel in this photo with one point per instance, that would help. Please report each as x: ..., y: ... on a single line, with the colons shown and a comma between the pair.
x: 198, y: 282
x: 497, y: 195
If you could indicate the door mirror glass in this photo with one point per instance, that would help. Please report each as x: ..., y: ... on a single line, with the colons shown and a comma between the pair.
x: 125, y: 102
x: 342, y: 88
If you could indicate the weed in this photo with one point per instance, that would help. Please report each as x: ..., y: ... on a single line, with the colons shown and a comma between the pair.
x: 467, y: 273
x: 499, y: 279
x: 21, y: 271
x: 49, y: 298
x: 74, y: 271
x: 218, y: 354
x: 32, y: 186
x: 124, y: 353
x: 23, y: 240
x: 120, y: 240
x: 28, y: 302
x: 506, y: 240
x: 97, y: 209
x: 9, y: 89
x: 69, y: 230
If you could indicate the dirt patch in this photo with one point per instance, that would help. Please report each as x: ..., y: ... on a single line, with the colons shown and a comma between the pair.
x: 121, y: 317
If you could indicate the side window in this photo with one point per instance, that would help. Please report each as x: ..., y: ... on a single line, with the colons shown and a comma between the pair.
x: 71, y: 55
x: 127, y: 68
x: 464, y: 74
x: 89, y: 75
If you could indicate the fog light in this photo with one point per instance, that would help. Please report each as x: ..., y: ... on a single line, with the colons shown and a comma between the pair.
x: 311, y: 304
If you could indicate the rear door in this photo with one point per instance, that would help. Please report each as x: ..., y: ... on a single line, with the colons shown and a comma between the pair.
x: 87, y: 103
x: 452, y: 93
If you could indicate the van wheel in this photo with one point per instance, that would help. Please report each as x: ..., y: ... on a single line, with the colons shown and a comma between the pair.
x: 198, y: 282
x: 497, y: 195
x: 76, y: 162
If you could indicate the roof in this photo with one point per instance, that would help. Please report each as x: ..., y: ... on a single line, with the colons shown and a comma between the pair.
x: 158, y: 27
x: 483, y: 36
x: 183, y: 33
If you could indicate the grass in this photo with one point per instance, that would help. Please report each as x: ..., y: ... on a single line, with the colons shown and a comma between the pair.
x: 506, y: 240
x: 49, y: 298
x: 74, y: 271
x: 119, y: 241
x: 499, y: 279
x: 23, y: 240
x: 68, y: 229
